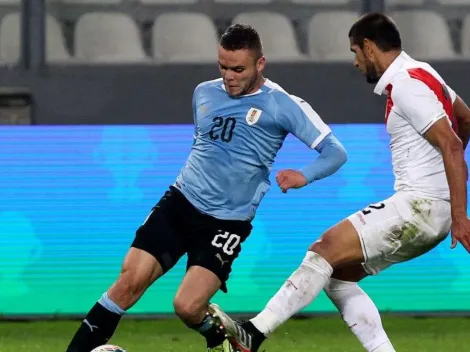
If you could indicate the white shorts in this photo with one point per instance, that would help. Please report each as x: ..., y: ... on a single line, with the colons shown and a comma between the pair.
x: 400, y: 228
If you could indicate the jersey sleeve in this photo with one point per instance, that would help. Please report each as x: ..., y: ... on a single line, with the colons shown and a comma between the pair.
x: 417, y: 104
x: 299, y: 118
x: 194, y: 105
x: 452, y: 93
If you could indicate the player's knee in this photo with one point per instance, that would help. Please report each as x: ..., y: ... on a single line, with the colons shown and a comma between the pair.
x: 340, y: 245
x: 188, y: 310
x: 329, y: 249
x: 325, y: 247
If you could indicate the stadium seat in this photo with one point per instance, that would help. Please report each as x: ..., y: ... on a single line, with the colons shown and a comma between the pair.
x: 277, y: 35
x: 165, y: 2
x: 425, y: 34
x: 321, y: 2
x: 453, y: 2
x: 91, y: 2
x: 108, y: 37
x: 465, y: 37
x: 243, y: 1
x: 10, y: 39
x: 184, y: 37
x: 404, y: 2
x: 328, y: 35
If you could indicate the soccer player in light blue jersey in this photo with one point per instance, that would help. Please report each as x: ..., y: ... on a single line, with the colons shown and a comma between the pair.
x: 241, y: 121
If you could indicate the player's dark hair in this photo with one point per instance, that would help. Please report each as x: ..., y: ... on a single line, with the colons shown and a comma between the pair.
x: 241, y: 36
x: 379, y: 29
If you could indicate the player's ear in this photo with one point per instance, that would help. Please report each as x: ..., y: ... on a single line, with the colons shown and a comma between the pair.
x: 368, y: 49
x: 261, y: 63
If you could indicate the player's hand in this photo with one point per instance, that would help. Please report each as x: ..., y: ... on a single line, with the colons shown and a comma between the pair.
x: 287, y: 179
x: 461, y: 232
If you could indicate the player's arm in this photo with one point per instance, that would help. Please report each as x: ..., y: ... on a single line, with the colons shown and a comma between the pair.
x: 441, y: 135
x: 302, y: 121
x: 194, y: 106
x: 462, y: 114
x: 421, y: 108
x: 332, y: 157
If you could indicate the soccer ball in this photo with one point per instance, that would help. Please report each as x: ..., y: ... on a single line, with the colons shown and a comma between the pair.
x: 109, y: 348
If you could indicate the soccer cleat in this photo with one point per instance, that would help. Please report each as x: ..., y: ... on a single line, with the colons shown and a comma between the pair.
x: 224, y: 347
x: 241, y: 339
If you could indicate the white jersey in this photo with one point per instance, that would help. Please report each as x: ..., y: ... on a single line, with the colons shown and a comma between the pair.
x: 417, y: 97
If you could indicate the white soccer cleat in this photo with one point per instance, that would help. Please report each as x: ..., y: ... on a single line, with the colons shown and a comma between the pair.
x: 238, y: 337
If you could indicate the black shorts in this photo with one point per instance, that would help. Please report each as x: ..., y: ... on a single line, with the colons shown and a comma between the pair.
x: 175, y: 227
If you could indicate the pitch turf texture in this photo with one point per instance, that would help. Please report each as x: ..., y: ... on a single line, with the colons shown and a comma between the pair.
x: 309, y: 335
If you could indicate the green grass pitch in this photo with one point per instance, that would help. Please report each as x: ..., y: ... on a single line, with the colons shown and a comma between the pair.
x: 309, y: 335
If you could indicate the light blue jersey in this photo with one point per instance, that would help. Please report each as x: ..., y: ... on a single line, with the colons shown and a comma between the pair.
x: 236, y: 140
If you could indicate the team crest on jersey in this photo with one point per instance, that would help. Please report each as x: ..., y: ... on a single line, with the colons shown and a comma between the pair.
x: 203, y: 108
x: 253, y: 116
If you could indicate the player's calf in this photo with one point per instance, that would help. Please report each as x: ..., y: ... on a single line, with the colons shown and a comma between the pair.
x: 128, y: 289
x: 140, y: 270
x: 359, y: 313
x: 189, y: 311
x: 191, y: 304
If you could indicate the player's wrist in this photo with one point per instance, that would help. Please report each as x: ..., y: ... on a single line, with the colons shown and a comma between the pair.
x: 458, y: 214
x: 309, y: 177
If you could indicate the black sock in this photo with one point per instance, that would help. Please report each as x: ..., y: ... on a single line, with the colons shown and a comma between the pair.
x: 258, y: 336
x: 210, y: 330
x: 96, y: 329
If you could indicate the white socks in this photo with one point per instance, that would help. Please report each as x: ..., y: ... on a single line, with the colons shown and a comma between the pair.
x: 302, y: 287
x: 360, y: 314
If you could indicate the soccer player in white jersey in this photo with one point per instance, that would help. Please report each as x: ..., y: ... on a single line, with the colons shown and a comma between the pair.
x: 429, y: 129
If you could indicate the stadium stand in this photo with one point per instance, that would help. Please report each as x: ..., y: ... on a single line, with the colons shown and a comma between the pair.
x: 327, y: 35
x: 108, y: 37
x: 10, y: 39
x: 277, y: 33
x: 184, y: 37
x: 292, y: 30
x: 425, y: 34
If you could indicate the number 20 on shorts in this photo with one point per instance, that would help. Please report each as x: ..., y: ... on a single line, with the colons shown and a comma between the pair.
x: 227, y: 241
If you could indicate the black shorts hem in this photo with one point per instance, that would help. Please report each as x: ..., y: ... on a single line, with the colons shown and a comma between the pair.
x: 222, y: 276
x: 164, y: 259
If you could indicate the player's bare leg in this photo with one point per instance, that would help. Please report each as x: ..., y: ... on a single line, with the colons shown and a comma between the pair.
x: 139, y: 271
x: 357, y: 309
x: 191, y: 305
x: 339, y: 246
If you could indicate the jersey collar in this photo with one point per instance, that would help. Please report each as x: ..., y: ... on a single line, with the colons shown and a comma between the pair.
x: 390, y: 72
x: 259, y: 91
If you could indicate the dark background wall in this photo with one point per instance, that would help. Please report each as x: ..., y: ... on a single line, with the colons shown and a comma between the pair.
x: 161, y: 94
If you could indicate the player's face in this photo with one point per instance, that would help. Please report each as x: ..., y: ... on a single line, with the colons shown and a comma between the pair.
x: 363, y: 62
x: 240, y: 70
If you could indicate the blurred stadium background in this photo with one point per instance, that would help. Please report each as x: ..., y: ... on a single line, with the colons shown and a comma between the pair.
x: 95, y: 115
